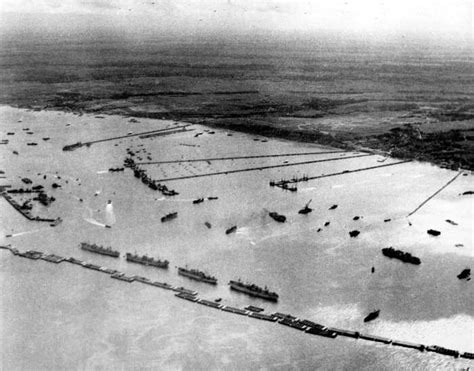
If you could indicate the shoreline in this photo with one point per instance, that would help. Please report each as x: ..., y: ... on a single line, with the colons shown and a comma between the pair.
x: 402, y: 143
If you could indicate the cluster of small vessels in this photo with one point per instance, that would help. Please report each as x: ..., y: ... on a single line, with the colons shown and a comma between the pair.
x: 151, y: 183
x: 284, y: 183
x: 25, y: 207
x: 401, y: 255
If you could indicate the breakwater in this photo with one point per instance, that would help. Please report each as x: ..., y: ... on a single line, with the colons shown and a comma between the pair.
x: 239, y: 157
x: 26, y: 213
x: 288, y: 320
x: 261, y: 168
x: 144, y: 134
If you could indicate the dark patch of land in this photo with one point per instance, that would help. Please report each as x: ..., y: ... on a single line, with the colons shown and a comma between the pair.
x: 409, y: 101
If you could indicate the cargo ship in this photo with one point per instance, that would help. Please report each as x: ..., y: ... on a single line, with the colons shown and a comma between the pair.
x: 99, y: 249
x: 277, y: 217
x: 400, y: 255
x: 253, y: 290
x: 169, y: 217
x: 197, y: 275
x: 145, y: 260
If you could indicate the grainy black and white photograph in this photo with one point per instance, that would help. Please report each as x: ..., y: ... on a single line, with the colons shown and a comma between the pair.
x: 236, y: 185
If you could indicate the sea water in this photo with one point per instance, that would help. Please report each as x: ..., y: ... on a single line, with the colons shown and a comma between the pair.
x: 64, y: 316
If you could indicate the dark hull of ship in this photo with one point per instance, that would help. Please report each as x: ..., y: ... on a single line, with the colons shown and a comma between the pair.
x: 114, y: 254
x: 139, y: 260
x: 256, y: 294
x: 196, y: 277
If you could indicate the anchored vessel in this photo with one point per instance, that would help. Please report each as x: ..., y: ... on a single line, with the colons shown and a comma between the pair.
x: 465, y: 274
x: 433, y: 232
x: 231, y: 230
x: 372, y: 315
x: 98, y: 249
x: 253, y: 290
x: 277, y: 217
x: 169, y: 217
x: 306, y: 209
x: 197, y: 275
x: 145, y: 260
x: 400, y: 255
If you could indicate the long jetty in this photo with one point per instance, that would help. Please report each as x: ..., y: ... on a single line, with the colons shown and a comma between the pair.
x: 143, y: 134
x: 238, y: 157
x: 293, y: 164
x: 303, y: 325
x: 260, y: 168
x: 436, y: 193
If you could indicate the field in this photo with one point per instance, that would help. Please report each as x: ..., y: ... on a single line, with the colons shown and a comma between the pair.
x: 347, y: 94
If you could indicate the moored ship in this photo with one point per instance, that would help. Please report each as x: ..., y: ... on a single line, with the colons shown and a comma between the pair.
x: 98, y: 249
x: 145, y: 260
x: 253, y: 290
x: 197, y: 275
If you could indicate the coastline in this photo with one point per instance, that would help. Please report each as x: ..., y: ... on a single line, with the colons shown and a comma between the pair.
x: 404, y: 142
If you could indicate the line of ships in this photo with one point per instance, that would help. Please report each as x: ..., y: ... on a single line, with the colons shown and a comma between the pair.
x: 305, y: 325
x: 246, y: 288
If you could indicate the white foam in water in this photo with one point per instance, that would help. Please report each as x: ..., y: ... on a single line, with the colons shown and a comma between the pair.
x: 109, y: 214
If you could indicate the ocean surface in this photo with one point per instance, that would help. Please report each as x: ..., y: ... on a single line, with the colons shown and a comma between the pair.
x: 67, y: 317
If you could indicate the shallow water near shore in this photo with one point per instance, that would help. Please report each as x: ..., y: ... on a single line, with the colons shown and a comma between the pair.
x: 64, y: 316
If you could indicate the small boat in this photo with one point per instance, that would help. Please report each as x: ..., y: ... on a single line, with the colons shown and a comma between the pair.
x: 198, y: 201
x: 231, y: 230
x: 333, y: 207
x: 306, y: 209
x: 433, y: 232
x: 169, y: 217
x: 277, y: 217
x: 373, y: 315
x: 354, y: 233
x: 465, y: 274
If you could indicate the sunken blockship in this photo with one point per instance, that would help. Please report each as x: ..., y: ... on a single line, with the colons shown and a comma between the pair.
x: 145, y: 260
x: 98, y: 249
x: 140, y: 173
x: 400, y: 255
x: 253, y: 290
x: 197, y: 275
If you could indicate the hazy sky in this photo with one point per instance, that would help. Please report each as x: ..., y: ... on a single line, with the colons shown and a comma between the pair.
x: 435, y: 18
